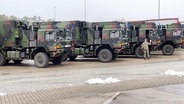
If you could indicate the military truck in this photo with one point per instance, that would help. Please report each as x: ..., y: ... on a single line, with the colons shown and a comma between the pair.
x: 39, y: 42
x: 98, y: 39
x: 163, y: 37
x: 170, y: 36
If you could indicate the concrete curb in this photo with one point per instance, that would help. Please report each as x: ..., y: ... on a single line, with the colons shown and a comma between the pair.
x: 112, y: 98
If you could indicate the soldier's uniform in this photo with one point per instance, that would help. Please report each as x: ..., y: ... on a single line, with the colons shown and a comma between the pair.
x: 145, y: 47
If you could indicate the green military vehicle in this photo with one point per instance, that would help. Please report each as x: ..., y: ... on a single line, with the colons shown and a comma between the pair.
x: 163, y: 37
x: 99, y: 39
x: 40, y: 42
x: 170, y: 36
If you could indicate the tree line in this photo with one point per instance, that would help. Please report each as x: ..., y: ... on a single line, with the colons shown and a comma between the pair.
x: 25, y: 18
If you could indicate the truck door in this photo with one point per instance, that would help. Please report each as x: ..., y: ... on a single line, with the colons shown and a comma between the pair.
x: 115, y: 37
x: 47, y: 39
x: 150, y: 35
x: 162, y: 33
x: 98, y: 35
x: 134, y: 34
x: 177, y: 36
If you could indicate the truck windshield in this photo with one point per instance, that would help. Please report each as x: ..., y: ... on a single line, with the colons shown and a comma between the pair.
x: 177, y: 33
x: 114, y: 34
x: 50, y: 35
x: 64, y: 35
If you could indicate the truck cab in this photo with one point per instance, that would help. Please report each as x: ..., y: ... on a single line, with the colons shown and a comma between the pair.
x: 170, y: 36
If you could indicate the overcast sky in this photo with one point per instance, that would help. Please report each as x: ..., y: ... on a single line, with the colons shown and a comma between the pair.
x: 96, y: 10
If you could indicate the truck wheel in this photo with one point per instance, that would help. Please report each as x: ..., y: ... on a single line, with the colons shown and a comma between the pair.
x: 65, y: 59
x: 105, y: 55
x: 139, y: 52
x: 168, y: 49
x: 17, y: 61
x: 72, y: 58
x: 57, y: 61
x: 41, y: 60
x: 2, y: 60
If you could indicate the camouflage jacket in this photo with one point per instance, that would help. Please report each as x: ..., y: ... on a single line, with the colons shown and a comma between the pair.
x: 145, y: 45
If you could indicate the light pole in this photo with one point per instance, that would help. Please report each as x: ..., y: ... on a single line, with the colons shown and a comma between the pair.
x: 54, y: 13
x: 158, y: 9
x: 85, y: 10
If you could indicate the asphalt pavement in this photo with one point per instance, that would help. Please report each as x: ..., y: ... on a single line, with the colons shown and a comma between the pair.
x: 26, y: 84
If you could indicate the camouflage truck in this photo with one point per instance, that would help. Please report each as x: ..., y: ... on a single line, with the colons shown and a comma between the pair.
x: 163, y: 37
x: 170, y: 36
x: 101, y: 40
x: 41, y: 43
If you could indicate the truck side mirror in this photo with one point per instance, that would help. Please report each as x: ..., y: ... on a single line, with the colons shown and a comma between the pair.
x: 32, y: 36
x: 97, y: 34
x: 134, y: 33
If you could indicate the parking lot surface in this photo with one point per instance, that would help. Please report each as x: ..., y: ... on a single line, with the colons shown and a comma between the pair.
x: 67, y: 82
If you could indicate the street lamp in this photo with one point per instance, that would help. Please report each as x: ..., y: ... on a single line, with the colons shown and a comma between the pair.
x: 85, y: 10
x: 158, y: 9
x: 54, y: 13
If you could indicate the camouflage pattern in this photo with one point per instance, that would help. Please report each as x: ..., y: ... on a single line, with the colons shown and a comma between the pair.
x: 111, y: 33
x: 160, y: 35
x: 145, y: 48
x: 89, y: 38
x: 50, y: 36
x: 110, y: 25
x: 141, y: 31
x: 68, y: 31
x: 13, y: 34
x: 175, y: 33
x: 21, y: 40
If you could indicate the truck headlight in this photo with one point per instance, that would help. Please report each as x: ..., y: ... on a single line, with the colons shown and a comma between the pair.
x: 67, y: 46
x: 58, y: 46
x: 122, y: 44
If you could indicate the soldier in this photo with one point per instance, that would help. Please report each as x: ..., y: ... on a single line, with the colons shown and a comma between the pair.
x: 145, y: 47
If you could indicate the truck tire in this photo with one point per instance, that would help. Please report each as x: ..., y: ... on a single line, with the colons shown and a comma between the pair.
x: 57, y: 61
x: 2, y: 60
x: 41, y: 60
x: 72, y: 58
x: 139, y: 52
x: 168, y: 49
x: 17, y: 61
x: 105, y: 55
x: 65, y: 59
